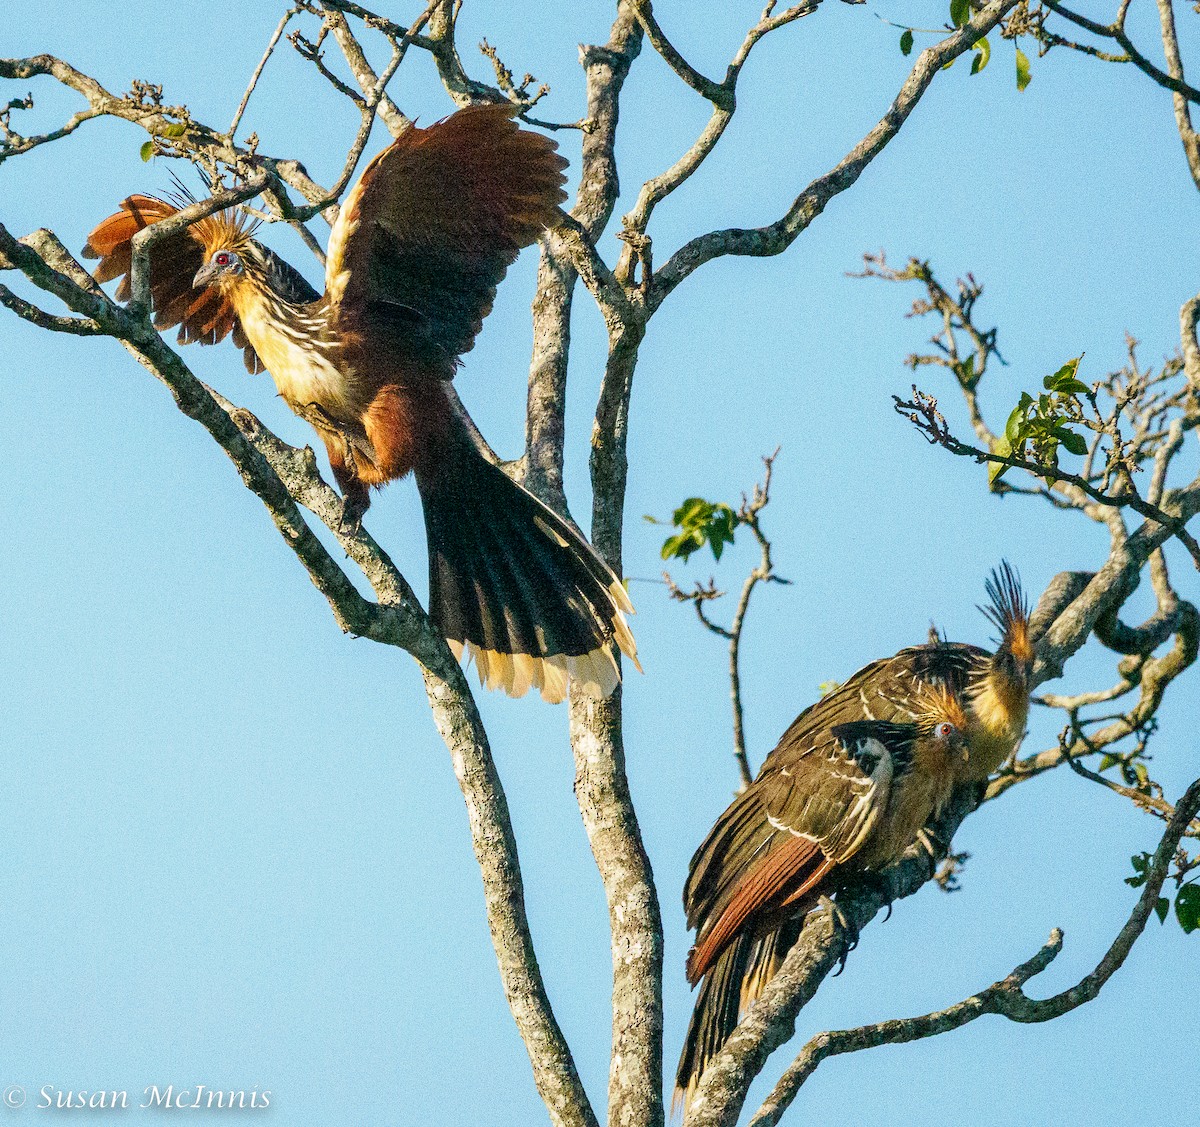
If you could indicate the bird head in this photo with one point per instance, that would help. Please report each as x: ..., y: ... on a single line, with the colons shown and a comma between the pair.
x: 942, y: 720
x: 229, y: 252
x: 222, y: 267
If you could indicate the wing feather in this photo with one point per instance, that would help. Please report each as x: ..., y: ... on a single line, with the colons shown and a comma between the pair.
x: 202, y: 315
x: 813, y: 807
x: 434, y: 223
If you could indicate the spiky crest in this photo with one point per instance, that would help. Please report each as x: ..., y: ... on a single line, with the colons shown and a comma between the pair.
x: 1009, y: 611
x: 937, y: 704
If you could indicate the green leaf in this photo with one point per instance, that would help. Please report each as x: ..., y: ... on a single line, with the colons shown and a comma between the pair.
x: 1065, y: 379
x: 1012, y: 428
x: 700, y: 522
x: 960, y: 12
x: 1023, y: 75
x: 1075, y: 443
x: 175, y: 129
x: 692, y: 510
x: 827, y: 687
x: 906, y: 41
x: 996, y: 470
x: 1162, y: 905
x: 681, y: 546
x: 1108, y: 761
x: 1140, y: 863
x: 147, y: 150
x: 984, y: 53
x: 1187, y: 907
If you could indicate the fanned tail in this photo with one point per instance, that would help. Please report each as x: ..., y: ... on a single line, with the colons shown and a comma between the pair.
x: 515, y: 585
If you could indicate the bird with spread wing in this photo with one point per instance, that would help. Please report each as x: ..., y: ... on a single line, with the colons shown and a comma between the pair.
x: 850, y: 786
x: 414, y: 259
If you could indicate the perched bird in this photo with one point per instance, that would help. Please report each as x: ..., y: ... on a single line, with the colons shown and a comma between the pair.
x: 983, y: 696
x: 415, y: 256
x: 830, y: 800
x: 994, y: 687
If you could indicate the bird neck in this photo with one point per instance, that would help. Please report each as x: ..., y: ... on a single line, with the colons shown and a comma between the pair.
x: 998, y: 707
x: 257, y: 303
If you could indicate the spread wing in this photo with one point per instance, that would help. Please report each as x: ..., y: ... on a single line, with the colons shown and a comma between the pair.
x: 813, y: 806
x: 202, y: 315
x: 434, y: 223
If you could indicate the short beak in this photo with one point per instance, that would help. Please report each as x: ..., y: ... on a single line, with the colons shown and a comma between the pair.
x: 206, y: 275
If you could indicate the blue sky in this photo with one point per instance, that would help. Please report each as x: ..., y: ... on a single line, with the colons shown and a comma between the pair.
x: 233, y: 851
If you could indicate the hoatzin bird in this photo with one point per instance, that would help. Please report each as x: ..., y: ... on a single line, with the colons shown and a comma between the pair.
x: 929, y: 718
x: 415, y: 256
x: 829, y: 800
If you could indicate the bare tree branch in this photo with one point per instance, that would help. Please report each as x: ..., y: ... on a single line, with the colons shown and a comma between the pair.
x: 764, y: 572
x: 395, y: 120
x: 1116, y: 32
x: 605, y: 70
x: 778, y: 236
x: 723, y: 96
x: 1006, y: 997
x: 275, y: 37
x: 280, y: 475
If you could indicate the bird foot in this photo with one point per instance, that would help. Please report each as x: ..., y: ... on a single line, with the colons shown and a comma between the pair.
x: 882, y: 886
x: 316, y: 416
x: 932, y: 844
x: 354, y: 506
x: 841, y: 923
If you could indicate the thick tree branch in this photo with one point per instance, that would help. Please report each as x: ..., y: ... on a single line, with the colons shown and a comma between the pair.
x: 1006, y: 997
x: 395, y: 120
x: 1183, y: 110
x: 605, y: 70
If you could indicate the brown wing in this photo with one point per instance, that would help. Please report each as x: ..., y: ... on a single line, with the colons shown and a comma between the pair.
x: 436, y: 220
x: 812, y: 807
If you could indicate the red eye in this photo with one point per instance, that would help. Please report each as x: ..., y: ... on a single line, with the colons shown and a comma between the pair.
x: 223, y: 259
x: 945, y: 730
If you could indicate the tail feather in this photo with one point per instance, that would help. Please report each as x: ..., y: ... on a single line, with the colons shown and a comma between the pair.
x: 516, y: 587
x: 733, y: 983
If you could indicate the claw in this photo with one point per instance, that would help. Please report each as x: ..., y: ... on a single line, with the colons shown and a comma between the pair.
x: 883, y: 887
x: 843, y: 924
x: 932, y: 844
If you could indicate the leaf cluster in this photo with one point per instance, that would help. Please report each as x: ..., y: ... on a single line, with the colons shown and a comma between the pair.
x: 1187, y: 899
x: 1038, y: 426
x: 700, y: 522
x: 960, y: 16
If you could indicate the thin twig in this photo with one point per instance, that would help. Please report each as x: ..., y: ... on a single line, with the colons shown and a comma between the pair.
x: 237, y: 117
